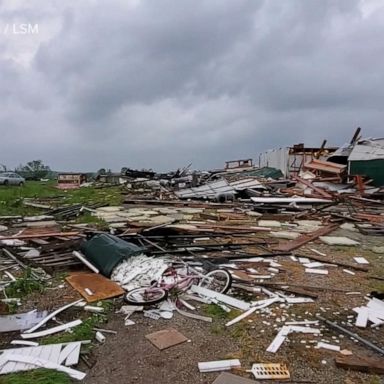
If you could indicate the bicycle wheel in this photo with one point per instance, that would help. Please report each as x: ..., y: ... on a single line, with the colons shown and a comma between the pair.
x: 146, y: 296
x: 218, y: 280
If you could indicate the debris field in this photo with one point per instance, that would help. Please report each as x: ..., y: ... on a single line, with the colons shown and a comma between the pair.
x: 238, y: 276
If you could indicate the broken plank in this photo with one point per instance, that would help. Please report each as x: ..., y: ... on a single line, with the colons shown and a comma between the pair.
x: 289, y: 246
x: 40, y: 235
x: 50, y: 331
x: 361, y: 364
x: 318, y: 190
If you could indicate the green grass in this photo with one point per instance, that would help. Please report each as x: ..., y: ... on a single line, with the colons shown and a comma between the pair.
x: 84, y: 331
x: 214, y: 311
x: 24, y: 285
x: 375, y: 380
x: 11, y: 197
x: 37, y: 376
x: 89, y: 219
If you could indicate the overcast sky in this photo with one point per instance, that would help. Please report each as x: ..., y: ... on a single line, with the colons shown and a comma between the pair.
x: 162, y: 83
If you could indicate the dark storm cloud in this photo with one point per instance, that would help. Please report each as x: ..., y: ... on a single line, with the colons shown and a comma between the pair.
x: 159, y: 84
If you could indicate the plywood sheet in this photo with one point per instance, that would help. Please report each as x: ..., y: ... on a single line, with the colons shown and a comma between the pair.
x: 166, y: 338
x: 101, y: 287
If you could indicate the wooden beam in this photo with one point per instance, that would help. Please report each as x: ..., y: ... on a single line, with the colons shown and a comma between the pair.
x: 40, y: 235
x: 289, y: 246
x: 361, y: 364
x: 318, y: 190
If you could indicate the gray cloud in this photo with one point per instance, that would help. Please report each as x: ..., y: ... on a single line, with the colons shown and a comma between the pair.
x: 145, y: 83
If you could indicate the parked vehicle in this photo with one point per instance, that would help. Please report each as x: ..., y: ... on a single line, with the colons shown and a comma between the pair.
x: 11, y: 178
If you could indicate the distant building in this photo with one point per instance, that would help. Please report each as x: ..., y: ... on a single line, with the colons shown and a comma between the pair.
x: 70, y: 180
x: 110, y: 178
x: 242, y: 163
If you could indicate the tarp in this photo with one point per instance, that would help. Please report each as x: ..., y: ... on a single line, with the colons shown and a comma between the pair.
x: 105, y: 252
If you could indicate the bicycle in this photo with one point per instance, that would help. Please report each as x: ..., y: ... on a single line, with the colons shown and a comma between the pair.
x: 175, y: 279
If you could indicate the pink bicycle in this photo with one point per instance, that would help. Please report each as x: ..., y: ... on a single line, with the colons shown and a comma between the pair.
x: 178, y: 281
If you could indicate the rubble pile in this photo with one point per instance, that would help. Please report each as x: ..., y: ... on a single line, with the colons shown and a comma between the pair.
x: 254, y: 242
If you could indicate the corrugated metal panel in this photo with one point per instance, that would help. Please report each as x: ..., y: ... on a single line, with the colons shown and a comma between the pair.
x: 245, y: 184
x: 206, y: 191
x: 368, y: 150
x: 275, y: 158
x: 211, y: 190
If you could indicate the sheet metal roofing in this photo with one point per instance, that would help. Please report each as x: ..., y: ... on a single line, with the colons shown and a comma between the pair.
x: 368, y: 149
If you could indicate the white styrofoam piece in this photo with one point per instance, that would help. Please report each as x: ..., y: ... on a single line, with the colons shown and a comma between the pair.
x: 269, y: 223
x: 298, y: 300
x: 285, y: 235
x: 315, y: 264
x: 328, y: 346
x: 338, y: 240
x: 361, y: 260
x: 317, y: 271
x: 274, y: 264
x: 294, y: 328
x: 220, y: 365
x: 349, y: 272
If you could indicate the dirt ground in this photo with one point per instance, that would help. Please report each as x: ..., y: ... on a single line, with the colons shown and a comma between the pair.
x: 128, y: 357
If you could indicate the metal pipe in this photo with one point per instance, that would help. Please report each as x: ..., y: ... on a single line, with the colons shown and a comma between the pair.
x: 354, y: 335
